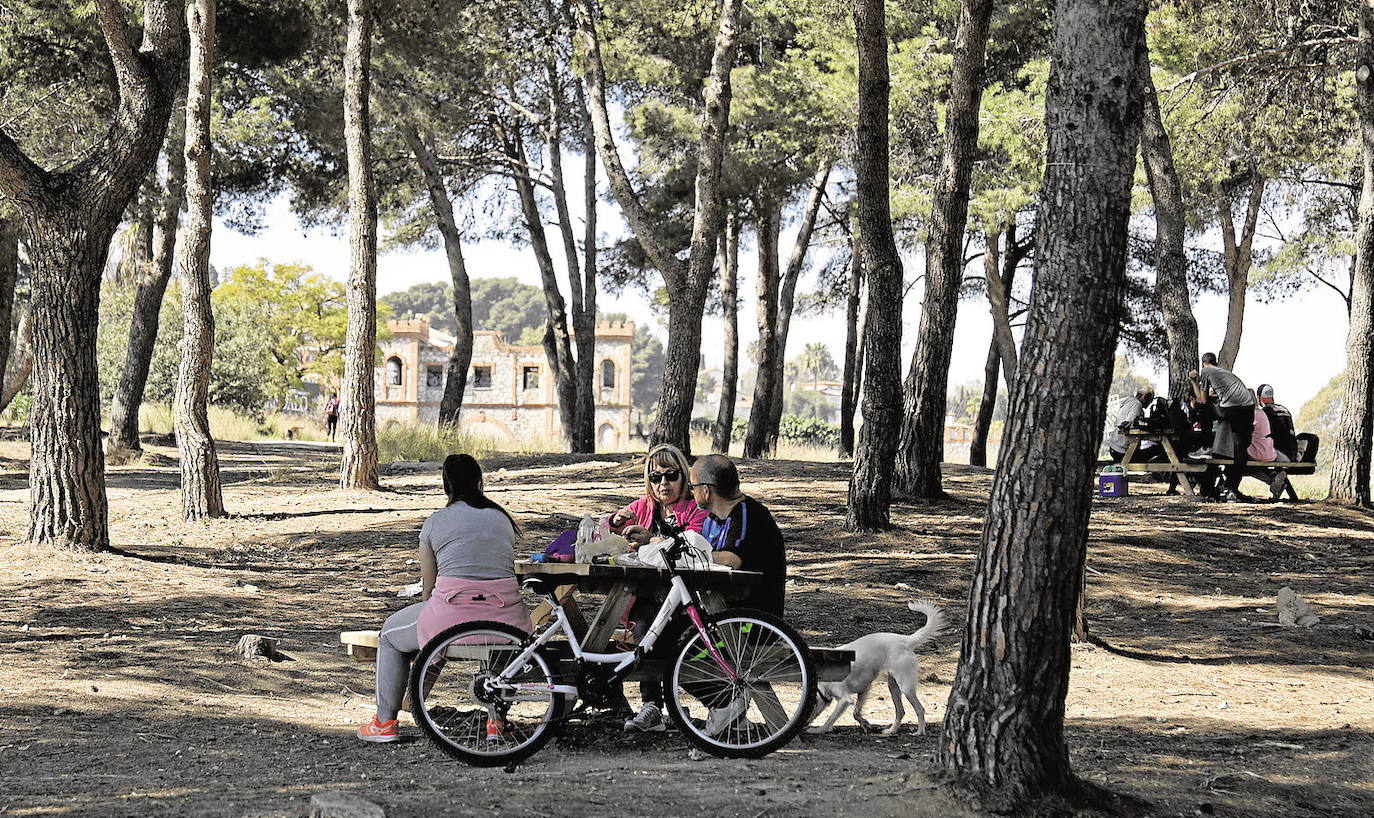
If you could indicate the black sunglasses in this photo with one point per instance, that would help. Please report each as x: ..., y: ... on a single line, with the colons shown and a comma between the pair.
x: 670, y: 475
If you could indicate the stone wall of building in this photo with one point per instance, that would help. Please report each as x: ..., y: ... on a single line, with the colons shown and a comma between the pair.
x: 510, y: 396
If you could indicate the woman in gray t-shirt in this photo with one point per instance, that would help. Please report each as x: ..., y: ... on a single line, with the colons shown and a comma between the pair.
x: 467, y: 572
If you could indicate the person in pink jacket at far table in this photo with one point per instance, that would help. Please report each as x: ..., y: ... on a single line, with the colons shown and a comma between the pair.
x: 1262, y: 448
x: 666, y: 495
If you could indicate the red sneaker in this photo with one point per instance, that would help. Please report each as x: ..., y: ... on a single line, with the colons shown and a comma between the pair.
x: 380, y: 732
x: 496, y: 730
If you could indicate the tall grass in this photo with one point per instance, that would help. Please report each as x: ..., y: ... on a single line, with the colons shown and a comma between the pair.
x: 787, y: 450
x: 427, y: 443
x: 226, y: 424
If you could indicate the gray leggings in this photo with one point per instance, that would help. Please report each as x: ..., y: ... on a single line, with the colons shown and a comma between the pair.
x: 397, y: 645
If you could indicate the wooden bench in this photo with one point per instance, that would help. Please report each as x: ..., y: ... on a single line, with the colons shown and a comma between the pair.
x: 832, y: 664
x: 1177, y: 464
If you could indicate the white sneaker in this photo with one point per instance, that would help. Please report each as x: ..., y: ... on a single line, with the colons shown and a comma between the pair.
x: 1200, y: 454
x: 721, y: 718
x: 649, y: 719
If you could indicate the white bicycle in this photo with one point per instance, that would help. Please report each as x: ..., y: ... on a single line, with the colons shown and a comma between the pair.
x: 739, y: 683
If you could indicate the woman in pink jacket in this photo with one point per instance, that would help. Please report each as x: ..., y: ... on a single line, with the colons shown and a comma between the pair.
x: 467, y: 572
x: 665, y: 493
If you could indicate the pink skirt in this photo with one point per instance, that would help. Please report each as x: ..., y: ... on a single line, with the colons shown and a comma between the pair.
x: 458, y: 600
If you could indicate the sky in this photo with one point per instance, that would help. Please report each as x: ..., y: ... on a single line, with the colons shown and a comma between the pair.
x: 1297, y: 345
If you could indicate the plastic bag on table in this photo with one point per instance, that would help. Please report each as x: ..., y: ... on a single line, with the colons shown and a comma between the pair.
x: 697, y: 557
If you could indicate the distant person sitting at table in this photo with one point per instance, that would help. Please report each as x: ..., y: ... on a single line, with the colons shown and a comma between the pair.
x: 1235, y: 403
x: 1262, y: 449
x: 1281, y: 427
x: 1129, y: 412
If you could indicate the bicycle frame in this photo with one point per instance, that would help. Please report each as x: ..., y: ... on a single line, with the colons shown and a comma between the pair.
x: 679, y: 596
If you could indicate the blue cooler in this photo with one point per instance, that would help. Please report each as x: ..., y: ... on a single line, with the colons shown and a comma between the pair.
x: 1112, y: 482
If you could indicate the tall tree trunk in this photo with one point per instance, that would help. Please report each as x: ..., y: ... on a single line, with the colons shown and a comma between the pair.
x: 686, y: 283
x: 1003, y: 734
x: 16, y: 375
x: 9, y: 275
x: 787, y: 292
x: 152, y: 286
x: 982, y: 423
x: 1237, y: 250
x: 200, y: 484
x: 579, y: 382
x: 451, y: 404
x: 849, y: 389
x: 557, y: 341
x: 584, y: 317
x: 68, y: 219
x: 870, y: 490
x: 729, y: 301
x: 999, y: 295
x: 1350, y: 465
x: 1000, y: 272
x: 358, y: 404
x: 770, y: 361
x: 1171, y: 262
x: 922, y: 445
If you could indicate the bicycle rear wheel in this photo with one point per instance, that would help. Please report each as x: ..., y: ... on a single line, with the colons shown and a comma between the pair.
x: 746, y: 693
x: 456, y: 707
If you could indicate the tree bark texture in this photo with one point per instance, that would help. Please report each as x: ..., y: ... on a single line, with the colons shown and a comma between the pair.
x: 849, y: 388
x: 201, y: 497
x: 787, y: 293
x: 16, y: 375
x: 1239, y: 257
x: 558, y: 342
x: 358, y: 401
x: 584, y: 317
x: 1171, y: 262
x: 999, y: 294
x: 1003, y: 733
x: 922, y: 445
x: 687, y: 282
x: 982, y: 423
x: 152, y: 287
x: 870, y: 489
x: 729, y: 302
x: 1350, y: 465
x: 68, y: 219
x: 756, y: 439
x: 580, y: 377
x: 455, y: 382
x: 9, y: 275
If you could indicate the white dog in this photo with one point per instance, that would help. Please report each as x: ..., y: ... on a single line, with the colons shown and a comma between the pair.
x: 874, y: 653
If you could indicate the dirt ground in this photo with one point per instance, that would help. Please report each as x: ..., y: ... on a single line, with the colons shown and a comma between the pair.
x: 120, y: 692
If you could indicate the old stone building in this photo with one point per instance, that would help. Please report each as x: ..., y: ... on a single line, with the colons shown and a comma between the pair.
x: 511, y: 396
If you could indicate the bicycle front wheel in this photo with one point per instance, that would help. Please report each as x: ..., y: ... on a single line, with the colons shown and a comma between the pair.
x: 467, y: 712
x: 747, y: 691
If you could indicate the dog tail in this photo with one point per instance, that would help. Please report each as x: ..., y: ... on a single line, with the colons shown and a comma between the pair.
x: 934, y: 626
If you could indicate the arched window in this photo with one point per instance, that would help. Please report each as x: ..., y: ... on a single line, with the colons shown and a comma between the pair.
x: 608, y: 374
x: 393, y: 372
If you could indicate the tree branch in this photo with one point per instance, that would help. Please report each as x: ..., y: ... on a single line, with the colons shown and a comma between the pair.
x: 1189, y: 79
x: 20, y: 177
x: 641, y: 223
x: 113, y: 26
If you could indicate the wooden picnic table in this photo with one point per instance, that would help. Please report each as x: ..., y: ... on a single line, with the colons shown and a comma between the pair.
x: 1178, y: 465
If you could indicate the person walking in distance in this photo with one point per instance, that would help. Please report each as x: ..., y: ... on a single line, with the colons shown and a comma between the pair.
x: 331, y: 414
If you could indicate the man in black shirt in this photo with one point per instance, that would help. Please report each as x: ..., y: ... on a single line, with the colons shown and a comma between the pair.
x: 741, y: 530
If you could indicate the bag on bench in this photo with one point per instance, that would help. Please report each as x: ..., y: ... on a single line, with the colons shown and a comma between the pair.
x: 1308, y: 444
